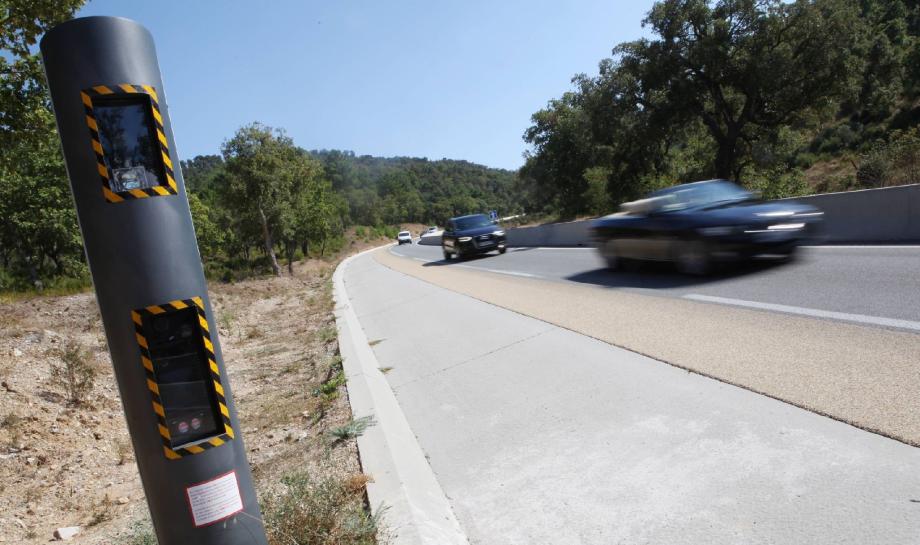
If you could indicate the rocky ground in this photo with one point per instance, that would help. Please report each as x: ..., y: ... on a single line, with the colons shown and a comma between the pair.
x: 68, y: 462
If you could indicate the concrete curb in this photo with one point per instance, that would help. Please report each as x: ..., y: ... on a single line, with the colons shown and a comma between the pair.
x: 404, y: 490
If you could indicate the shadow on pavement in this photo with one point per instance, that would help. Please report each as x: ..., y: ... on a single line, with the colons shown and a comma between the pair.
x: 663, y: 275
x: 455, y: 261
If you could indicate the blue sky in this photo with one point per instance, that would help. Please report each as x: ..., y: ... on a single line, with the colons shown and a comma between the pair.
x: 414, y: 78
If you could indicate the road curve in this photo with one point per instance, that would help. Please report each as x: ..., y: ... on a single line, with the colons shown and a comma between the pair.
x: 540, y: 434
x: 835, y: 359
x: 862, y: 281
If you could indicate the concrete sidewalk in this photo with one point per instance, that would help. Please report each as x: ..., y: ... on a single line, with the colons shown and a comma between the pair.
x: 541, y: 435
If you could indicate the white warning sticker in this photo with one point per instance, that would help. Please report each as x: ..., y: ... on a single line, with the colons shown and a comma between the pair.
x: 214, y: 500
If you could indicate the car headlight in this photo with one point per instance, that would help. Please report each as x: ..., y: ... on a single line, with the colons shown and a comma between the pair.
x: 464, y: 239
x: 716, y: 231
x: 786, y: 226
x: 499, y: 233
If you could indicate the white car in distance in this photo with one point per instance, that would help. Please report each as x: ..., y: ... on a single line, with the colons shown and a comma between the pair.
x: 404, y: 237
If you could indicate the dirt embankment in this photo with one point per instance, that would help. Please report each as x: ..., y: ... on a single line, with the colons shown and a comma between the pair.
x: 70, y: 463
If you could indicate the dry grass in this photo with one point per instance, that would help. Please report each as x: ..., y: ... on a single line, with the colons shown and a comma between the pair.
x: 277, y: 336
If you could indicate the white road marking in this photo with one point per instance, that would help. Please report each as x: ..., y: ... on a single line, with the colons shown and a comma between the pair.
x: 499, y: 271
x: 868, y: 247
x: 422, y: 260
x: 816, y: 313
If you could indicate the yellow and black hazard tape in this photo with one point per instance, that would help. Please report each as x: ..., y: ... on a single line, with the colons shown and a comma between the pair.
x: 204, y: 444
x: 128, y: 89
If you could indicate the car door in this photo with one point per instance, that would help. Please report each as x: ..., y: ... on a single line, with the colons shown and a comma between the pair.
x: 647, y: 235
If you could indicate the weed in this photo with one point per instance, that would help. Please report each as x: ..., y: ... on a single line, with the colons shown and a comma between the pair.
x: 335, y: 362
x: 326, y: 334
x: 254, y: 333
x: 227, y: 318
x: 102, y: 512
x: 320, y: 511
x: 375, y: 342
x: 73, y: 375
x: 142, y: 533
x: 352, y: 430
x: 330, y: 388
x: 385, y: 370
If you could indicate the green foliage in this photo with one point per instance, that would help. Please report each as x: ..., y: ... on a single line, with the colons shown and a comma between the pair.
x: 320, y: 511
x: 752, y: 91
x: 141, y: 533
x: 895, y: 162
x: 72, y: 373
x: 39, y: 237
x: 330, y: 388
x: 389, y: 191
x: 210, y: 236
x: 353, y: 429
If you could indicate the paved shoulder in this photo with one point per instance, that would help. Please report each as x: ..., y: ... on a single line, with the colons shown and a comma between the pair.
x: 538, y: 434
x: 866, y: 376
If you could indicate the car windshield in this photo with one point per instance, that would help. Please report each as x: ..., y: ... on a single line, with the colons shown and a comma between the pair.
x: 403, y: 233
x: 702, y: 194
x: 472, y: 222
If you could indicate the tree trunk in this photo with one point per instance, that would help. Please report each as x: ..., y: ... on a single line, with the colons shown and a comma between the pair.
x: 269, y: 247
x: 289, y: 249
x: 726, y: 158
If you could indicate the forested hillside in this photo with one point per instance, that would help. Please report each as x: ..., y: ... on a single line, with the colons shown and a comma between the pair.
x: 301, y: 202
x: 406, y: 189
x: 786, y: 97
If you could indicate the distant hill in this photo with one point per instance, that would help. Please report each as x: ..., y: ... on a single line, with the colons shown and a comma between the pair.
x: 393, y: 190
x: 390, y: 190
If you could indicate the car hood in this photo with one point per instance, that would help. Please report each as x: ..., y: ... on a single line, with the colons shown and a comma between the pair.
x: 756, y: 211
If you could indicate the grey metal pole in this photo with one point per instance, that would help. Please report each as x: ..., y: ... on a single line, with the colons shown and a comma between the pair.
x: 124, y: 171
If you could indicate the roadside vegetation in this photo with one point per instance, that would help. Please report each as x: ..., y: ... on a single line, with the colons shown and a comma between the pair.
x: 788, y: 98
x: 59, y: 401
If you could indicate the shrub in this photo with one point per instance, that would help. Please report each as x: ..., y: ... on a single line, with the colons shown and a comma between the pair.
x: 896, y: 162
x: 324, y: 511
x: 72, y: 374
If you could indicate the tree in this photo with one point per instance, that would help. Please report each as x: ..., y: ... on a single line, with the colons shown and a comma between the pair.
x: 747, y: 67
x: 39, y: 235
x: 261, y: 174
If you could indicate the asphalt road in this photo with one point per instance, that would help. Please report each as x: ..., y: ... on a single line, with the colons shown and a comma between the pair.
x: 541, y: 434
x: 871, y: 285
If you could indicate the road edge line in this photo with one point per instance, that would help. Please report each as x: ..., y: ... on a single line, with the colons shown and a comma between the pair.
x: 404, y: 490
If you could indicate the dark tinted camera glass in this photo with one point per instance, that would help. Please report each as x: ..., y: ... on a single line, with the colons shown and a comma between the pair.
x: 183, y: 376
x: 129, y: 142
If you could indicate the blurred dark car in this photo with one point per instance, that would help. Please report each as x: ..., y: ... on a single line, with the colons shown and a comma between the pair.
x: 700, y: 224
x: 470, y: 235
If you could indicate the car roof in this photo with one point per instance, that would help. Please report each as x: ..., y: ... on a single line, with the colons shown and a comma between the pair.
x: 403, y: 233
x: 466, y: 216
x: 666, y: 190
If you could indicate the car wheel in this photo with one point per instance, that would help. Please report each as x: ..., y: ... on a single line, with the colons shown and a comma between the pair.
x: 502, y: 250
x: 693, y: 257
x: 446, y: 255
x: 612, y: 255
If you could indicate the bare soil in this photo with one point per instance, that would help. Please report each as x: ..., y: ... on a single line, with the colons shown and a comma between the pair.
x: 71, y: 464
